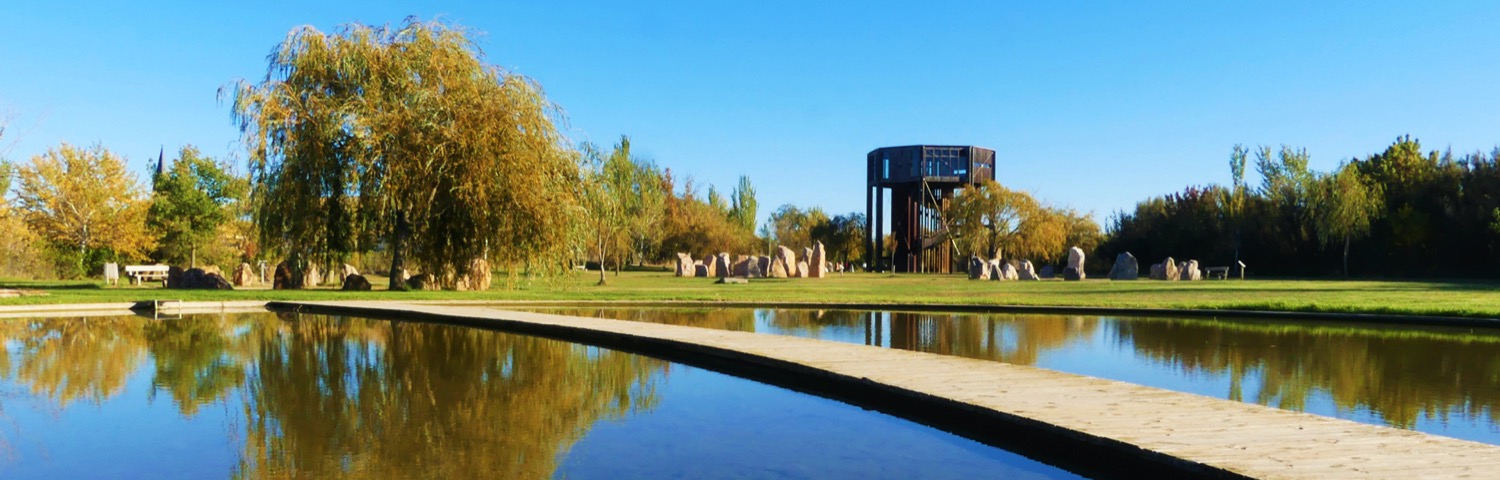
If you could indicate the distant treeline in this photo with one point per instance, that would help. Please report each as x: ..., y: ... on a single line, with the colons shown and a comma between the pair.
x: 1401, y: 212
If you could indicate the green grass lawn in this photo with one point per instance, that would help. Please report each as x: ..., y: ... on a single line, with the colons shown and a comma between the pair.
x: 1456, y: 298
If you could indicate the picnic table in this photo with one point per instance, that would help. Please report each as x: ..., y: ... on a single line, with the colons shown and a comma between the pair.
x: 142, y: 273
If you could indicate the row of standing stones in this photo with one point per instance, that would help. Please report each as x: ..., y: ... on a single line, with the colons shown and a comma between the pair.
x: 287, y: 277
x: 1125, y: 268
x: 782, y: 265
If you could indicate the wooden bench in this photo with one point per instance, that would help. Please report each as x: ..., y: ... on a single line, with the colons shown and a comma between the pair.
x: 142, y: 273
x: 1221, y: 272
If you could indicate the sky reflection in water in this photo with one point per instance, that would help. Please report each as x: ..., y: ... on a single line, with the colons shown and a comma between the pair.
x: 1434, y: 380
x: 257, y: 396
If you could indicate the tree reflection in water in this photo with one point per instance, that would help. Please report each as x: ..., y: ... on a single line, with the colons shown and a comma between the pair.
x: 349, y: 398
x: 1399, y: 374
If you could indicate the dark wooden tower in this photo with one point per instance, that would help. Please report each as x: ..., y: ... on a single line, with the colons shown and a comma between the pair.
x: 922, y: 179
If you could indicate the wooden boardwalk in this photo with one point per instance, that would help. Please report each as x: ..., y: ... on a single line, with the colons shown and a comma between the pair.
x: 1086, y: 419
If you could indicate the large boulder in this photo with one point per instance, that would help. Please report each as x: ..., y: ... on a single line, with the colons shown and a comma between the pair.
x: 818, y: 260
x: 745, y: 266
x: 1008, y: 272
x: 802, y: 268
x: 478, y: 278
x: 700, y: 270
x: 421, y: 281
x: 174, y: 277
x: 312, y: 277
x: 1188, y: 271
x: 343, y: 271
x: 355, y: 282
x: 1166, y: 270
x: 1125, y: 268
x: 979, y: 269
x: 784, y: 264
x: 684, y: 265
x: 726, y: 268
x: 214, y: 269
x: 286, y: 277
x: 196, y: 278
x: 244, y: 275
x: 763, y: 266
x: 1075, y: 264
x: 1026, y: 272
x: 1047, y: 272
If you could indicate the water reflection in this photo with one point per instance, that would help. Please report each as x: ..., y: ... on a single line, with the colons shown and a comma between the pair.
x: 1444, y: 381
x: 257, y: 396
x: 347, y: 398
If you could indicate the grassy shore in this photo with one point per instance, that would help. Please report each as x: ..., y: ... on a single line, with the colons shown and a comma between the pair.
x: 1448, y: 298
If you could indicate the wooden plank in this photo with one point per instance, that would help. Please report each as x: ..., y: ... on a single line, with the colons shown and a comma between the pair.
x: 1179, y: 430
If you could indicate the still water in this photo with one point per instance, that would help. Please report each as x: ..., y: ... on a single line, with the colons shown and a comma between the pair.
x: 1442, y: 381
x: 267, y: 396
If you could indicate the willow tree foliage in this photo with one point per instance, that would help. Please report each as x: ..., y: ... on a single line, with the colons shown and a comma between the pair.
x: 993, y: 220
x: 1346, y: 204
x: 404, y: 138
x: 84, y: 202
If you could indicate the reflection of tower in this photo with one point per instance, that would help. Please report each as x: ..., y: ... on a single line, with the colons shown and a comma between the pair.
x: 922, y: 179
x: 906, y: 331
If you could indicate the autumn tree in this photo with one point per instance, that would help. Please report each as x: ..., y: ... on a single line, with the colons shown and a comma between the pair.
x: 991, y: 220
x: 793, y: 227
x: 1345, y: 203
x: 84, y: 202
x: 20, y: 252
x: 405, y: 139
x: 190, y: 202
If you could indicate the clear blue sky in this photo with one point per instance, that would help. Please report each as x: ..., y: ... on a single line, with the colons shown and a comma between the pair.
x: 1093, y: 105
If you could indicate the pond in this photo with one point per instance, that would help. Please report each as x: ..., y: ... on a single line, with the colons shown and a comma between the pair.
x: 304, y: 396
x: 1444, y: 381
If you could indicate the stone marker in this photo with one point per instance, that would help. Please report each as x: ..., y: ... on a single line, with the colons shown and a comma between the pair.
x: 700, y: 270
x: 802, y: 269
x: 1169, y: 270
x: 762, y: 266
x: 711, y: 265
x: 1008, y: 272
x: 1125, y: 267
x: 1047, y: 272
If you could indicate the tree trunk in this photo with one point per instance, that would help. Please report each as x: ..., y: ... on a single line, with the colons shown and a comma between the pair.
x: 193, y: 256
x: 398, y: 238
x: 602, y: 277
x: 1346, y: 256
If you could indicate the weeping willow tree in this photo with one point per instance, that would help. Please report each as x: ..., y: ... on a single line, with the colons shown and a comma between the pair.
x: 403, y: 138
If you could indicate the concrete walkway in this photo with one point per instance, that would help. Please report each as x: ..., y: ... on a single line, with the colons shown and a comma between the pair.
x: 1075, y: 421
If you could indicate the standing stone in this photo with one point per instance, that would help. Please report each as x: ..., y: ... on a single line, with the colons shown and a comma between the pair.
x: 802, y: 269
x: 806, y: 254
x: 684, y: 265
x: 1008, y: 272
x: 1189, y: 271
x: 1047, y: 272
x: 421, y: 281
x: 478, y: 278
x: 711, y: 265
x: 286, y: 277
x: 1169, y: 271
x: 818, y: 260
x: 1157, y: 273
x: 1075, y: 265
x: 979, y: 269
x: 312, y: 277
x: 700, y: 270
x: 244, y: 275
x: 762, y: 266
x: 784, y: 264
x: 1125, y: 268
x: 1026, y: 272
x: 725, y: 267
x: 344, y: 272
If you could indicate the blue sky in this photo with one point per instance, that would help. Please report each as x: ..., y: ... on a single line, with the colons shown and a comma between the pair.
x: 1090, y: 105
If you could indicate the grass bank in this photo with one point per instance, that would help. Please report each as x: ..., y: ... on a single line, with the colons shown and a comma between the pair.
x: 1442, y: 298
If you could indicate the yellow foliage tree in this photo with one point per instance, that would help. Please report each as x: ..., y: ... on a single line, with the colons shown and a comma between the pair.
x: 84, y: 199
x: 991, y: 220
